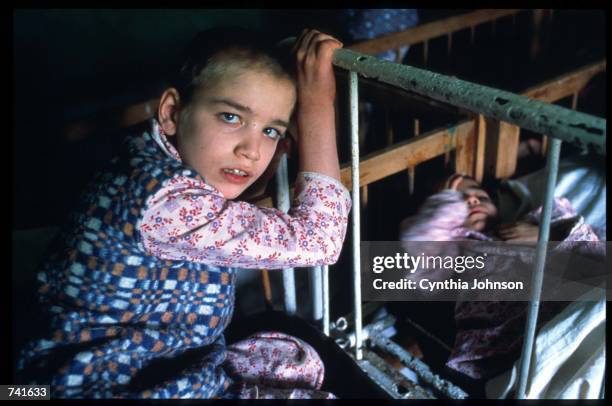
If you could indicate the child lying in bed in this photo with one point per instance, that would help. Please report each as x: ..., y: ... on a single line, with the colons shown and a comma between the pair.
x: 143, y: 278
x: 489, y: 334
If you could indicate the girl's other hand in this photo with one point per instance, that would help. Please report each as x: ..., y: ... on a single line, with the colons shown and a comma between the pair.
x: 518, y: 232
x: 454, y: 181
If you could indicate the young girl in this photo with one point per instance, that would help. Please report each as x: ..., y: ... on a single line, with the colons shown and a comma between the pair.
x: 489, y: 334
x: 141, y: 287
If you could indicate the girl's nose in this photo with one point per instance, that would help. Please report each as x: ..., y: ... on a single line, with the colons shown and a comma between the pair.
x: 473, y: 201
x: 249, y: 145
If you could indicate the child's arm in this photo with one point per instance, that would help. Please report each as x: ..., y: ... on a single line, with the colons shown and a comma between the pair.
x: 188, y: 219
x: 316, y: 93
x: 566, y: 224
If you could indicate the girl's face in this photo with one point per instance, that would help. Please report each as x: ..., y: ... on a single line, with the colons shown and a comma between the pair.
x: 482, y: 211
x: 230, y: 133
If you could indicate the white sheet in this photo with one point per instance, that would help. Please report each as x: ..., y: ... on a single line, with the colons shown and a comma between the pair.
x: 581, y: 179
x: 568, y: 361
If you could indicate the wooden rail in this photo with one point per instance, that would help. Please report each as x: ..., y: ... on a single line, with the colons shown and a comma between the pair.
x: 425, y: 32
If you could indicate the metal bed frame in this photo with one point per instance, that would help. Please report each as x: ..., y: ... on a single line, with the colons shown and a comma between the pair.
x: 493, y: 105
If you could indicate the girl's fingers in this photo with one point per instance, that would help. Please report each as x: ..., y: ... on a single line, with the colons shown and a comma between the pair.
x: 301, y: 45
x: 321, y: 37
x: 510, y: 232
x: 299, y: 41
x: 306, y: 44
x: 313, y: 42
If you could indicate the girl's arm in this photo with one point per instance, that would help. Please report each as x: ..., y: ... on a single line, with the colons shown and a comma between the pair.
x: 566, y: 225
x: 316, y: 92
x: 190, y: 220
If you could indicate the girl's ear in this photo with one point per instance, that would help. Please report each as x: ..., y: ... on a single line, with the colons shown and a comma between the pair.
x: 168, y: 111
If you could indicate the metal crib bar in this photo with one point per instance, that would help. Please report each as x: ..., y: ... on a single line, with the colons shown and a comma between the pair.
x: 571, y: 126
x: 325, y: 293
x: 356, y: 224
x: 283, y: 203
x: 552, y: 166
x: 419, y: 367
x: 316, y: 292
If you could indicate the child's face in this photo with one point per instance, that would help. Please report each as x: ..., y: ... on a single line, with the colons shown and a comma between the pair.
x: 482, y: 211
x: 230, y: 134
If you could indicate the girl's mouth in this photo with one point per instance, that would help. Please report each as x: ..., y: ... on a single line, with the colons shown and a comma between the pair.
x: 236, y: 175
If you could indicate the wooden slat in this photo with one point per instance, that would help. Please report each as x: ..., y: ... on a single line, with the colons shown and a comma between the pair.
x: 480, y: 135
x: 501, y: 148
x: 430, y: 30
x: 465, y: 153
x: 410, y: 153
x: 565, y: 85
x: 267, y: 289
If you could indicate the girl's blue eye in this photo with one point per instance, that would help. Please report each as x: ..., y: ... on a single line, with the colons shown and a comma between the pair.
x: 272, y: 133
x: 230, y: 118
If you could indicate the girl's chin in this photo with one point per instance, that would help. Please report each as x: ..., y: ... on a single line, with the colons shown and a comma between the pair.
x: 231, y: 194
x: 478, y: 225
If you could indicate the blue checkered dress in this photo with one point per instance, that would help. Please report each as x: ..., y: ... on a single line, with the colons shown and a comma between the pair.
x: 119, y: 317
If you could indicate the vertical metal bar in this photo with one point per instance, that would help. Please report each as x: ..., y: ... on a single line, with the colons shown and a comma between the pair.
x: 316, y: 285
x: 411, y: 170
x: 282, y: 194
x: 425, y: 52
x: 325, y: 293
x: 552, y: 166
x: 354, y: 115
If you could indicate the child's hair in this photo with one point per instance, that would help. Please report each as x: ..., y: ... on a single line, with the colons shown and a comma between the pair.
x: 215, y: 51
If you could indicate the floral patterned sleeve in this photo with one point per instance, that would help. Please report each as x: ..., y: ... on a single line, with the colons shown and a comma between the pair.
x: 190, y: 220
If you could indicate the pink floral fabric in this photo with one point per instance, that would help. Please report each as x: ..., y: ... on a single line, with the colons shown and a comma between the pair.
x: 274, y: 365
x: 190, y: 220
